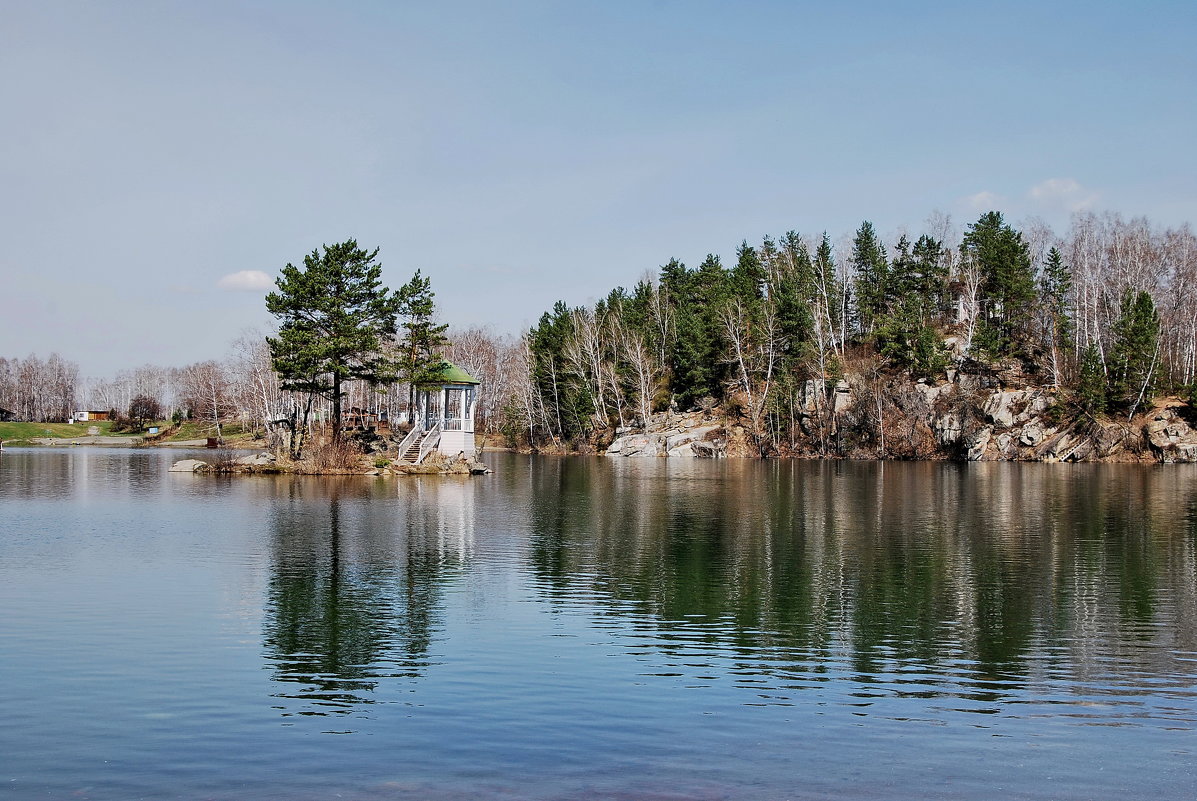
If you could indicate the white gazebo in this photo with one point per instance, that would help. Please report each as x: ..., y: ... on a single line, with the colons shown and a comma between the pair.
x: 443, y: 419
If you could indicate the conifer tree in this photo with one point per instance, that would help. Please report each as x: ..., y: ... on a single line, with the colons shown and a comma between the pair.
x: 792, y: 290
x: 334, y: 316
x: 747, y: 279
x: 873, y: 290
x: 1055, y: 300
x: 906, y: 334
x: 1133, y: 361
x: 699, y: 297
x: 420, y: 361
x: 1007, y: 283
x: 1092, y: 385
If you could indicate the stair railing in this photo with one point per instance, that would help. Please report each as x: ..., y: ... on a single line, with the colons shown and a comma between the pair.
x: 430, y: 442
x: 416, y: 428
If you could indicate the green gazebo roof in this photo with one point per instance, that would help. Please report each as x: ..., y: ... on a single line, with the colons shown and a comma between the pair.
x: 452, y: 374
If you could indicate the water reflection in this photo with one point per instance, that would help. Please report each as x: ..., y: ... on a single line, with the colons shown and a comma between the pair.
x: 972, y: 581
x: 355, y: 593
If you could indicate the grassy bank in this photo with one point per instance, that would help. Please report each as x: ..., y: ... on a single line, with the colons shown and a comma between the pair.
x: 23, y: 432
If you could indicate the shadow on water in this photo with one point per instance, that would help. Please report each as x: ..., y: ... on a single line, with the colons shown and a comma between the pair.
x: 973, y: 581
x: 355, y: 590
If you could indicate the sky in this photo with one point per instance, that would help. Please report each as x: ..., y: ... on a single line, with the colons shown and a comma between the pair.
x: 161, y: 161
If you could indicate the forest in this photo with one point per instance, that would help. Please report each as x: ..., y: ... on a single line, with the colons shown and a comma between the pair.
x: 1103, y: 318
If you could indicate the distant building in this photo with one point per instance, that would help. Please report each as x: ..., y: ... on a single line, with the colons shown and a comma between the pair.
x: 7, y: 416
x: 88, y: 416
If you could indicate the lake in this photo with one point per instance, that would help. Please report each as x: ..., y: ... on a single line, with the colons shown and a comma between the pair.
x: 597, y: 629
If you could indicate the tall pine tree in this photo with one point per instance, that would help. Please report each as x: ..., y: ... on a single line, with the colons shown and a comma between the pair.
x: 1007, y: 284
x: 873, y: 290
x: 334, y: 314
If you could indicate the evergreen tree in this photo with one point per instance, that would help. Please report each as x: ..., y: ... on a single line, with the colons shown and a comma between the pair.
x: 792, y: 288
x: 1007, y: 286
x: 1133, y: 362
x: 1055, y: 296
x: 1092, y: 385
x: 421, y: 362
x: 697, y: 360
x: 747, y: 279
x: 906, y: 334
x: 565, y: 400
x: 334, y: 316
x: 873, y: 290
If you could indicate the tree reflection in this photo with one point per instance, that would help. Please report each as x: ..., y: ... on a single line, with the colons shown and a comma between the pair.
x: 355, y: 592
x: 1010, y: 570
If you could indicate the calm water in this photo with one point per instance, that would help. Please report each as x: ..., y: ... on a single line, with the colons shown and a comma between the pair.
x: 577, y: 628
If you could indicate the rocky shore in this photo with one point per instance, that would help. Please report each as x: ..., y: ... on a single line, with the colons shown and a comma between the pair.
x: 433, y: 464
x: 964, y: 417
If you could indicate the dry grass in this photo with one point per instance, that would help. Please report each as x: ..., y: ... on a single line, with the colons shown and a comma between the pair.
x: 333, y: 457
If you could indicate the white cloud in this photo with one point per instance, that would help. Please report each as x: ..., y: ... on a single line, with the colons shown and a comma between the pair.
x: 246, y: 281
x: 984, y: 201
x: 1063, y: 193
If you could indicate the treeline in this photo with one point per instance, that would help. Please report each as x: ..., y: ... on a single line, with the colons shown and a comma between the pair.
x: 239, y: 387
x: 1106, y: 313
x: 38, y: 389
x: 243, y: 388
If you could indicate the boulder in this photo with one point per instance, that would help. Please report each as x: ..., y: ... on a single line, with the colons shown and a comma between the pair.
x: 1068, y: 446
x: 190, y: 466
x: 1005, y: 409
x: 1170, y: 437
x: 256, y: 460
x: 636, y: 445
x: 1032, y: 434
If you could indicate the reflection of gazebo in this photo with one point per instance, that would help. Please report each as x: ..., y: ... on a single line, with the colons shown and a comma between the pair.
x: 444, y: 416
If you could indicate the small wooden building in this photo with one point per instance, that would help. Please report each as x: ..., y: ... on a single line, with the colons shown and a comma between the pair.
x: 90, y: 416
x: 7, y: 416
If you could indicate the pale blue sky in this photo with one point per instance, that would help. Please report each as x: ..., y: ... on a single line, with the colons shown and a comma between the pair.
x: 523, y: 152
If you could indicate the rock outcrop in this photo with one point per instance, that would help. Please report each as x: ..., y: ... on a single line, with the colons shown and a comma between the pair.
x: 674, y: 436
x: 1170, y: 437
x: 972, y: 416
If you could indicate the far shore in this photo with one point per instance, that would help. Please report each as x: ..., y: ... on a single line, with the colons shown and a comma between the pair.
x: 119, y: 442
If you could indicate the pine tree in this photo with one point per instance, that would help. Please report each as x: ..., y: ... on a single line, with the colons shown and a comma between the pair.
x: 747, y: 279
x: 1092, y: 385
x: 873, y: 290
x: 1134, y: 355
x: 334, y: 316
x: 1008, y: 283
x: 697, y: 359
x: 421, y: 362
x: 792, y: 289
x: 1055, y: 295
x: 564, y: 399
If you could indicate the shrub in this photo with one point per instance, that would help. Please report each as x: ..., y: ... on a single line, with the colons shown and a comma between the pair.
x: 334, y: 457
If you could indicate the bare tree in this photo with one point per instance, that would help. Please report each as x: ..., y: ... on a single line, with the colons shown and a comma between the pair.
x: 207, y: 393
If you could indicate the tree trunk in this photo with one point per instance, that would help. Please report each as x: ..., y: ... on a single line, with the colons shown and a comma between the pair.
x: 336, y: 407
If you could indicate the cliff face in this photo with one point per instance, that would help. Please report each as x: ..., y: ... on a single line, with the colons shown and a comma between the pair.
x: 973, y: 417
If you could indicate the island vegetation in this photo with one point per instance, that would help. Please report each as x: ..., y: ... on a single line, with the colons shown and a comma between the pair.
x: 991, y: 342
